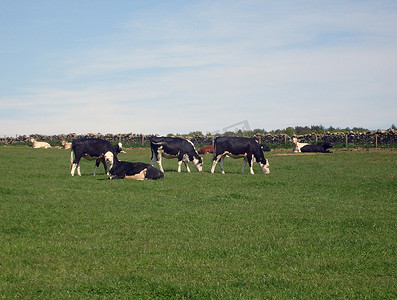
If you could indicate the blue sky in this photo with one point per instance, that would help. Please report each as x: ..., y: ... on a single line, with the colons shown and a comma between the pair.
x: 181, y: 66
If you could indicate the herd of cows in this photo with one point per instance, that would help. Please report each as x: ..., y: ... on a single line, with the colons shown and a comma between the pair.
x: 172, y: 147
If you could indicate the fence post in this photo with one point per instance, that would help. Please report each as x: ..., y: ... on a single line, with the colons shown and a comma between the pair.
x: 213, y: 140
x: 143, y: 140
x: 376, y: 140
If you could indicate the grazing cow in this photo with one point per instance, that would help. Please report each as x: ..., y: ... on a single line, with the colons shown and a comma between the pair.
x: 322, y: 147
x: 265, y: 148
x: 91, y: 149
x: 36, y: 144
x: 131, y: 170
x: 297, y: 146
x: 206, y: 149
x: 239, y: 147
x: 66, y: 145
x: 174, y: 147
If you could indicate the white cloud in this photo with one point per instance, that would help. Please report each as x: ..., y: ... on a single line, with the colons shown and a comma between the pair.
x: 209, y: 65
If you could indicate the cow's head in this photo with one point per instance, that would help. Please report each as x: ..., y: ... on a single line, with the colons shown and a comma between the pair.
x: 264, y: 165
x: 119, y: 148
x: 198, y: 163
x: 109, y: 159
x: 264, y: 147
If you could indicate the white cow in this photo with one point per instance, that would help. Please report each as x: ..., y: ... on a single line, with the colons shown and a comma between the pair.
x: 36, y: 144
x: 297, y: 146
x: 66, y: 145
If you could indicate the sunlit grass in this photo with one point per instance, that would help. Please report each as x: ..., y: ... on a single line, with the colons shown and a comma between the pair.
x: 319, y: 226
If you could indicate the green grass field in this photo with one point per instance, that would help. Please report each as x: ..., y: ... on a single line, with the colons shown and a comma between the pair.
x: 318, y: 227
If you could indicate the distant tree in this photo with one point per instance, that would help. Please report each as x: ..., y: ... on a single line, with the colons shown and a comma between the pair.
x: 330, y: 129
x: 259, y: 131
x: 302, y: 130
x: 195, y: 133
x: 317, y: 128
x: 240, y: 133
x: 359, y: 129
x: 290, y: 131
x: 275, y: 132
x: 229, y: 133
x: 393, y: 127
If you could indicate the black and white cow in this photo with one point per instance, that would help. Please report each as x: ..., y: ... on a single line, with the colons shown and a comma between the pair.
x: 297, y: 145
x: 174, y: 147
x: 239, y: 147
x: 322, y: 147
x: 91, y: 149
x: 265, y: 147
x: 131, y: 170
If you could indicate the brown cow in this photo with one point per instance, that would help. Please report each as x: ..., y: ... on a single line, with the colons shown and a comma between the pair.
x: 206, y: 149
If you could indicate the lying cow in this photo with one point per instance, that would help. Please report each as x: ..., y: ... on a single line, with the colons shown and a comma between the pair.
x: 322, y: 147
x: 131, y: 170
x: 206, y: 149
x: 239, y: 147
x: 91, y: 149
x: 66, y: 145
x: 37, y: 145
x: 297, y: 146
x: 174, y: 147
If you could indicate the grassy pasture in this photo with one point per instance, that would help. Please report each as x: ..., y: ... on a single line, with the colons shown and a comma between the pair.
x: 318, y: 227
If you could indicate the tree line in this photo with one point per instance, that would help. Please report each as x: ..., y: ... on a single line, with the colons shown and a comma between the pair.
x: 290, y: 131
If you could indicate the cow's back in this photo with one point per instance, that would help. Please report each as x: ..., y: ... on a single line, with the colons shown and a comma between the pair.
x: 235, y: 144
x: 172, y: 145
x: 92, y: 146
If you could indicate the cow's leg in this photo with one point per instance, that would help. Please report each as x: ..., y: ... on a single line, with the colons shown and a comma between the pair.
x: 153, y: 159
x: 75, y: 164
x: 78, y: 169
x: 107, y: 170
x: 116, y: 177
x: 97, y: 162
x: 159, y: 157
x: 221, y: 164
x: 139, y: 176
x: 185, y: 159
x: 72, y: 164
x: 250, y: 159
x: 179, y: 166
x: 73, y: 169
x: 244, y: 163
x: 187, y: 166
x: 214, y: 162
